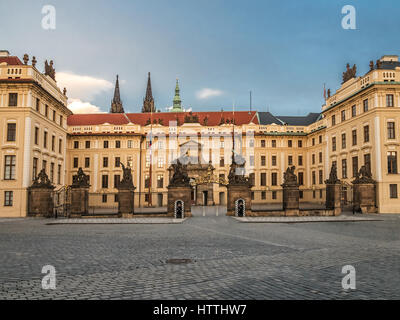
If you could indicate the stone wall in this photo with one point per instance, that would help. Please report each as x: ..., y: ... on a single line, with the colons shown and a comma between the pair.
x: 40, y: 202
x: 364, y: 197
x: 297, y: 213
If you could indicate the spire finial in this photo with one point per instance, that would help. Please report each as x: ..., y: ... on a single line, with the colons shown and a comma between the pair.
x: 177, y: 102
x: 116, y: 103
x: 148, y: 101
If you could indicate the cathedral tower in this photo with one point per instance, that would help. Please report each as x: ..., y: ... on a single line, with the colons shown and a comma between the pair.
x: 148, y: 101
x: 116, y: 103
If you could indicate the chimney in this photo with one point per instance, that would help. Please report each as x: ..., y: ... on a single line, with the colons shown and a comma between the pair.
x: 4, y: 53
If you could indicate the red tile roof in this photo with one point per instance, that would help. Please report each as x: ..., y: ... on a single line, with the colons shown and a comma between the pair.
x: 214, y: 118
x: 98, y: 118
x: 11, y: 61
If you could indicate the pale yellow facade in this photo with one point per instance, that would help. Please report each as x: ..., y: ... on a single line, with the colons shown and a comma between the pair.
x: 361, y: 133
x: 379, y: 92
x: 25, y: 95
x: 268, y: 151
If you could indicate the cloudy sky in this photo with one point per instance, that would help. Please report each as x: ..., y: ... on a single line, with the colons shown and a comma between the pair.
x: 284, y: 51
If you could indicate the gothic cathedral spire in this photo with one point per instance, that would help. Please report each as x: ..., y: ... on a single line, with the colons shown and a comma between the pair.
x: 148, y: 101
x: 116, y: 103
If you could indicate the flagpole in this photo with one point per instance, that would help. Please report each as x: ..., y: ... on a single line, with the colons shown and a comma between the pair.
x: 233, y: 130
x: 151, y: 156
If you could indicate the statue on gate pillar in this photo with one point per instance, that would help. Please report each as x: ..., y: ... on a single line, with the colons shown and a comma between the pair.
x: 79, y: 194
x: 364, y: 191
x: 180, y: 176
x: 333, y: 178
x: 126, y: 193
x: 40, y: 202
x: 80, y: 180
x: 179, y: 189
x: 239, y: 185
x: 333, y: 192
x: 127, y: 180
x: 42, y: 181
x: 289, y: 177
x: 290, y: 190
x: 364, y: 176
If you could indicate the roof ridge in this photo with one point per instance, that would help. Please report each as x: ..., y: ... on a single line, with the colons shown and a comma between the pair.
x: 126, y: 117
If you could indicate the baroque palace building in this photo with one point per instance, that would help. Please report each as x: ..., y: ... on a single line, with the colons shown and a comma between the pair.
x: 358, y: 125
x: 33, y: 135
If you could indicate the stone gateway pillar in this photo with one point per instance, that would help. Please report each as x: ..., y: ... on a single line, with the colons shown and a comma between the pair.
x: 290, y: 193
x: 126, y: 194
x: 238, y: 188
x: 237, y: 192
x: 178, y: 197
x: 40, y: 200
x: 79, y: 195
x: 364, y: 192
x: 179, y: 191
x: 333, y: 192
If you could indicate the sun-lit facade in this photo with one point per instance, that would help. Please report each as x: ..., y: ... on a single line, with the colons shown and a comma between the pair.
x: 362, y: 120
x: 33, y: 116
x: 358, y: 125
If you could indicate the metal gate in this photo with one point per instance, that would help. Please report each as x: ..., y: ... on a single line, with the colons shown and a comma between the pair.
x: 346, y: 197
x: 62, y: 202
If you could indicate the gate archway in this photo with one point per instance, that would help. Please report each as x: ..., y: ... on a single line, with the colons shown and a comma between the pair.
x: 204, y: 189
x: 346, y: 196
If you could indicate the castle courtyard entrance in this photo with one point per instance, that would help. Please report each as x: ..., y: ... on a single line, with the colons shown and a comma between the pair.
x: 206, y: 186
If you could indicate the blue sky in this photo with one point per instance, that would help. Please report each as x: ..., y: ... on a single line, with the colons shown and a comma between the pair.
x: 284, y: 51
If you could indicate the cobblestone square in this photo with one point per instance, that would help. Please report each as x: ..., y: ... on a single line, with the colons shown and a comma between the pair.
x: 229, y: 259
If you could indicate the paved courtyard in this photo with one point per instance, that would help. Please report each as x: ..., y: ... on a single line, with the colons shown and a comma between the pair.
x: 230, y: 259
